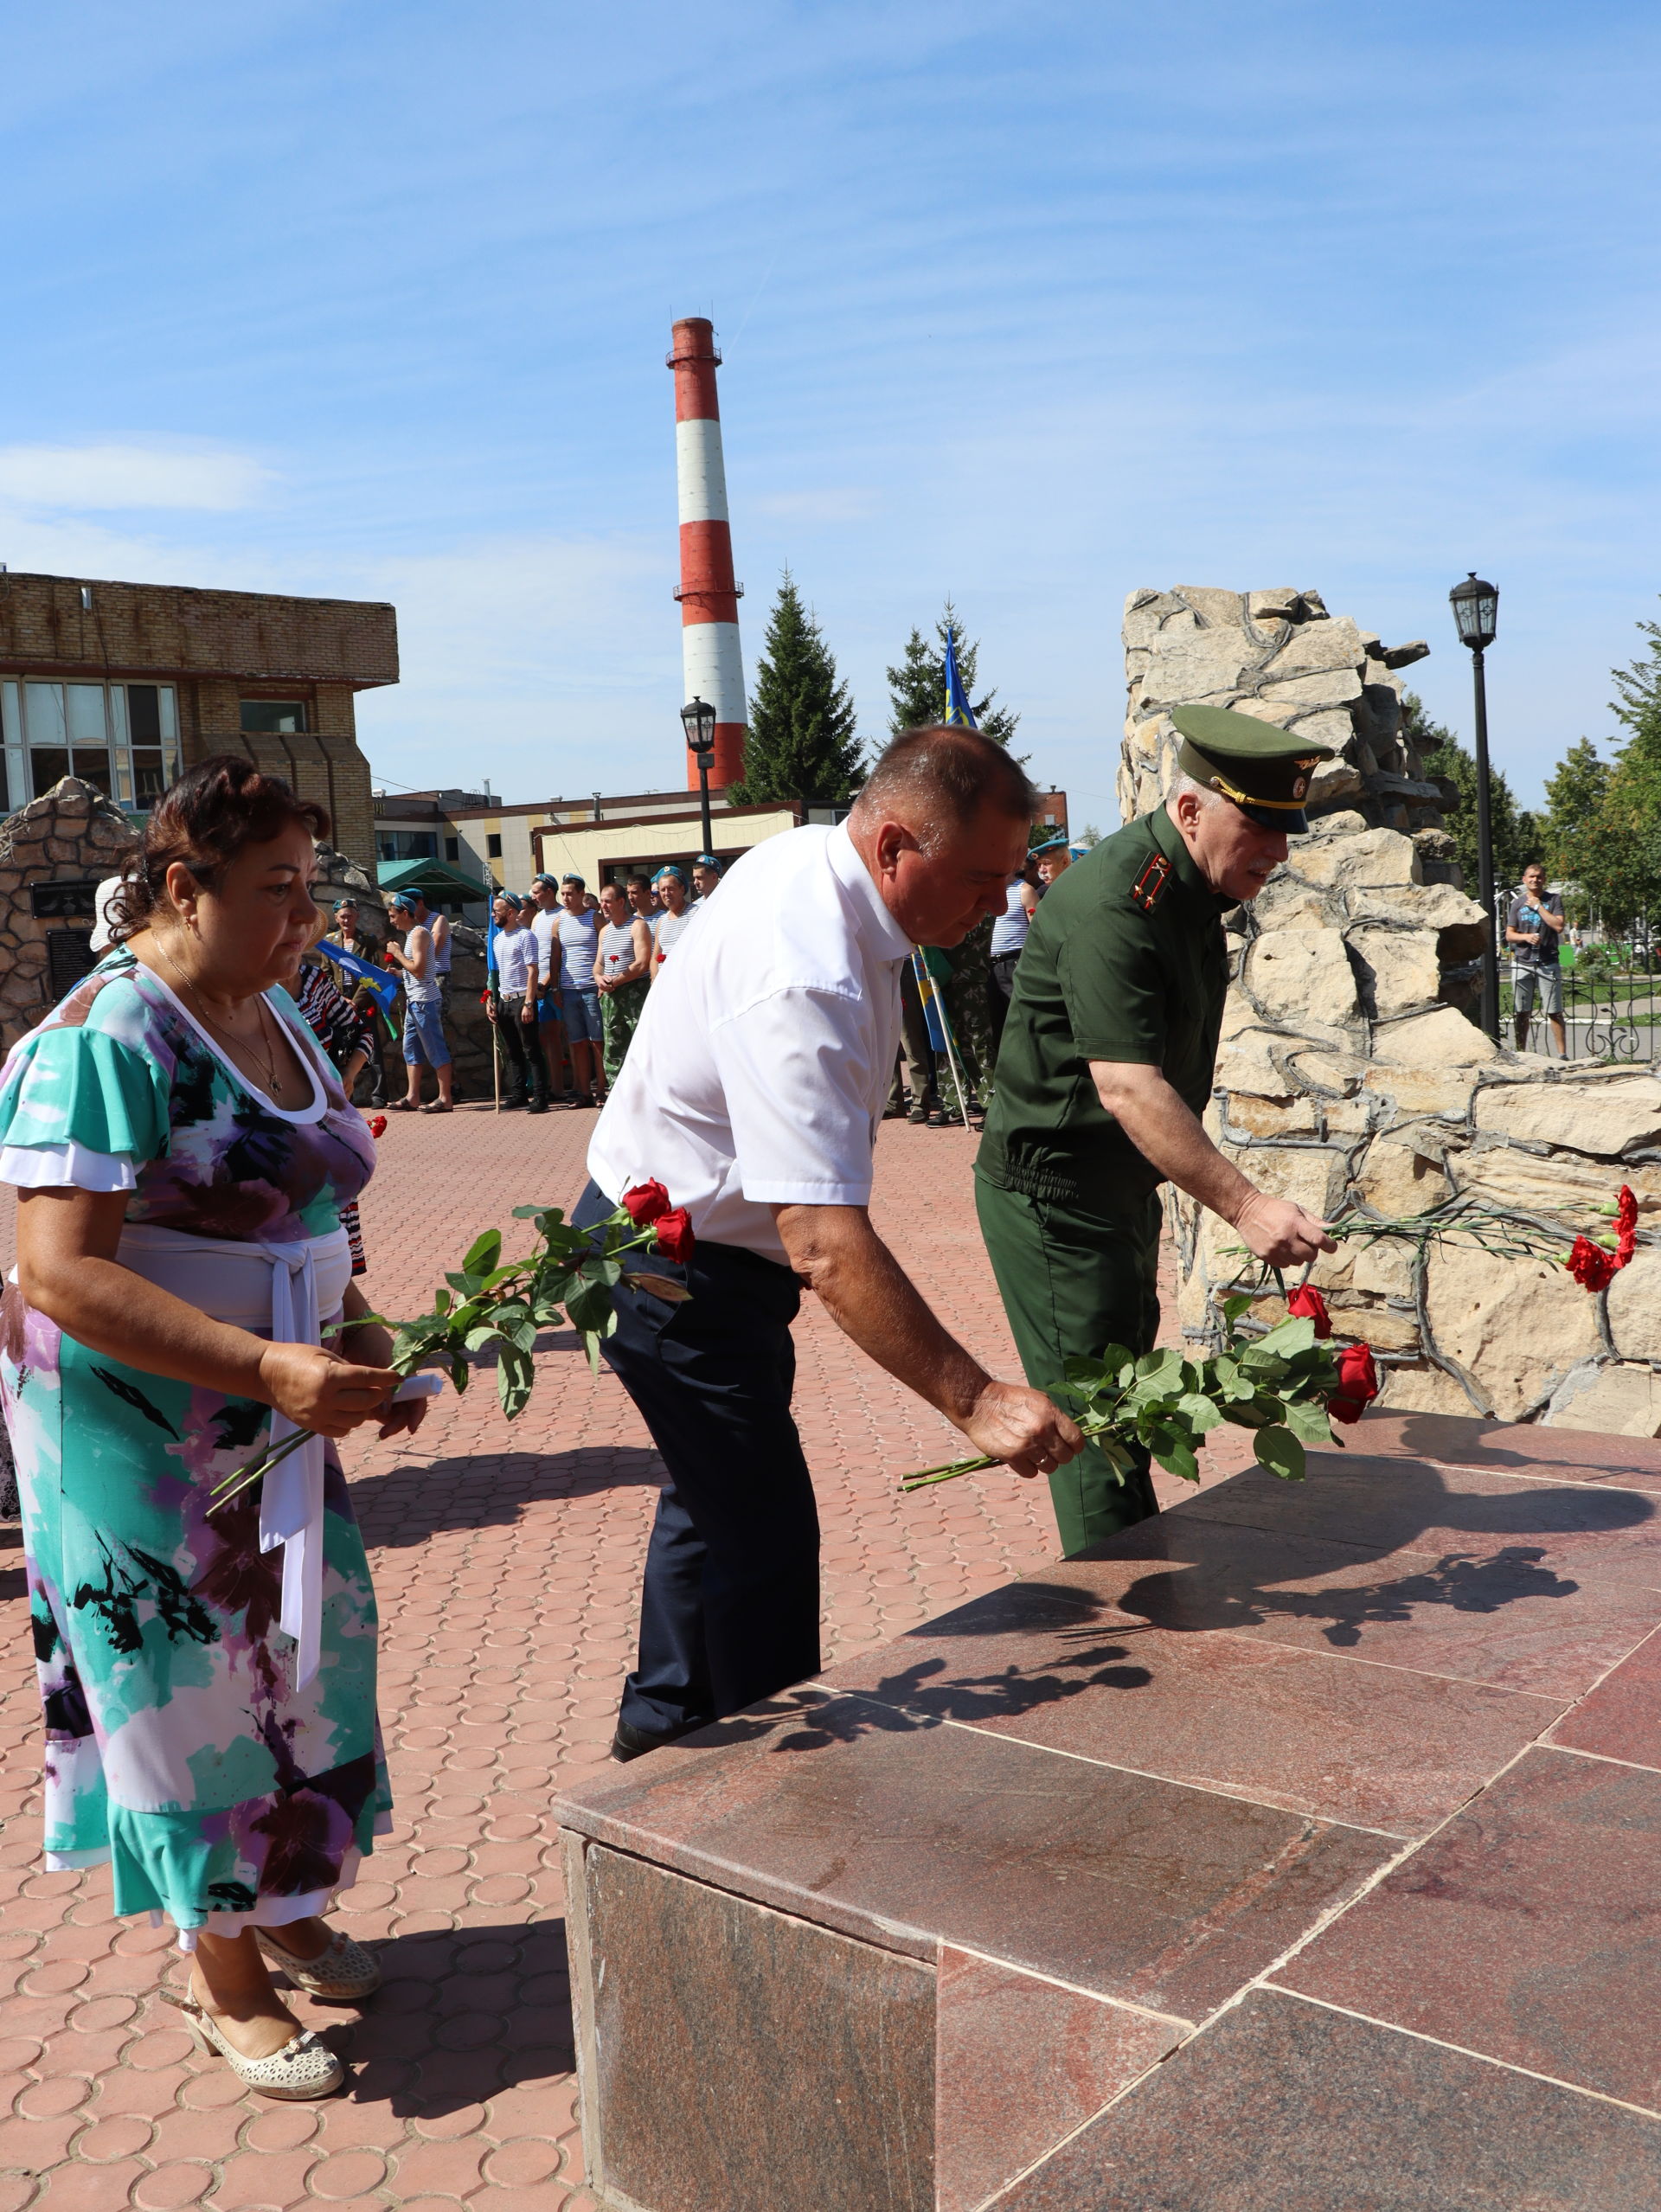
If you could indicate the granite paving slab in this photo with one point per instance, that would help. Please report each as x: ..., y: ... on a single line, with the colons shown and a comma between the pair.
x: 906, y: 1831
x: 1315, y: 1733
x: 1517, y: 1448
x: 699, y: 2016
x: 1022, y: 2063
x: 1621, y: 1718
x: 1511, y: 1622
x: 1283, y: 2107
x: 1529, y: 1929
x: 1389, y: 1504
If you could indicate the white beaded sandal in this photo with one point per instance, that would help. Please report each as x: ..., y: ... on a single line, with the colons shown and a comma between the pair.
x: 344, y: 1974
x: 302, y: 2070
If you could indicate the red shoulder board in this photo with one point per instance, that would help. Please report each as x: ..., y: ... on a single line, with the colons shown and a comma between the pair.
x: 1149, y: 886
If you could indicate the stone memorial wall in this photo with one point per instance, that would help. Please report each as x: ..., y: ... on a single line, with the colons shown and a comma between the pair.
x: 1349, y: 1072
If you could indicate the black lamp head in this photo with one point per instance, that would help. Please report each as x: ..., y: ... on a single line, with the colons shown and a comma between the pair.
x: 1476, y: 609
x: 698, y: 717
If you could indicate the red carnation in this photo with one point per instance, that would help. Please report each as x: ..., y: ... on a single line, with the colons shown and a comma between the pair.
x: 378, y: 1125
x: 1592, y: 1268
x: 1357, y: 1384
x: 647, y: 1202
x: 1306, y: 1303
x: 674, y: 1231
x: 1625, y: 1226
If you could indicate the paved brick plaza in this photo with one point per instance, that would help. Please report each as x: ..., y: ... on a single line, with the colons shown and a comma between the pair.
x: 505, y: 1561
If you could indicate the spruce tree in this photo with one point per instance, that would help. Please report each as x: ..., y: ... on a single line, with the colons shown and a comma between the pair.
x: 917, y: 687
x: 1624, y: 860
x: 800, y: 744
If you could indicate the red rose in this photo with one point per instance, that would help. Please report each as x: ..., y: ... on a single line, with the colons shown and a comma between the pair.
x: 1592, y: 1268
x: 647, y: 1202
x: 1306, y: 1303
x: 378, y: 1125
x: 1625, y: 1226
x: 1357, y: 1384
x: 674, y: 1233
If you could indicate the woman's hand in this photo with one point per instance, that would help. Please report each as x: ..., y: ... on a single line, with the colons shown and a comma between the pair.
x: 370, y: 1345
x: 320, y: 1391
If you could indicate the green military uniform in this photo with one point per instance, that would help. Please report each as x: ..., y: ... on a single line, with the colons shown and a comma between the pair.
x: 1125, y: 961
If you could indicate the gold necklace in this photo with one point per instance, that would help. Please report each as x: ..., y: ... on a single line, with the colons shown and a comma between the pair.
x: 273, y: 1080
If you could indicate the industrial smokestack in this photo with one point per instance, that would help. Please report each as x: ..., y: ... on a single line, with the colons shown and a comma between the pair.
x: 712, y: 665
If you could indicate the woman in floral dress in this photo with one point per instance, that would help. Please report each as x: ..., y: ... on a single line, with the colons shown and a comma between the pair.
x: 182, y: 1150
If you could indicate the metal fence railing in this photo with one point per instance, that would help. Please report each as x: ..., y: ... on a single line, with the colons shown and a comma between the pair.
x: 1612, y: 1005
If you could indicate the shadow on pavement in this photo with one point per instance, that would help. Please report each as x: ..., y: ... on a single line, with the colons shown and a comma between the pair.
x: 408, y: 1503
x: 464, y: 2014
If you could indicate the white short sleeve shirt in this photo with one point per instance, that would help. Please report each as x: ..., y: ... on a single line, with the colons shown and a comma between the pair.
x: 759, y: 1072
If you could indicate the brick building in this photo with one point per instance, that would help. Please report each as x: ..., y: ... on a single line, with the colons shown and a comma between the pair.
x: 124, y: 684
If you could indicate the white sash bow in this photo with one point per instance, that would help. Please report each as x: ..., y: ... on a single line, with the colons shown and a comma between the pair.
x: 287, y: 1289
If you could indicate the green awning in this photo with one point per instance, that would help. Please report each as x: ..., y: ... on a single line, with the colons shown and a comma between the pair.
x: 438, y: 884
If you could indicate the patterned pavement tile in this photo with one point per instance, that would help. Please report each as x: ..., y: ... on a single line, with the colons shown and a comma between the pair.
x: 506, y: 1559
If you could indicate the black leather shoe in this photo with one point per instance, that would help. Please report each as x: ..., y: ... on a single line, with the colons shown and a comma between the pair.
x: 537, y: 1105
x: 631, y: 1743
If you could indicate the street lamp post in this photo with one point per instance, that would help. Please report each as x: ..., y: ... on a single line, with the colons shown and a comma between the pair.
x: 698, y: 718
x: 1476, y: 610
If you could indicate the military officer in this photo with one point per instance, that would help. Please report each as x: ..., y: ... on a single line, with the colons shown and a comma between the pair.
x: 1106, y: 1063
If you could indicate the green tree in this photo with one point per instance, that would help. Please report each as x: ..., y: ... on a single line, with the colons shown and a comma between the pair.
x: 917, y: 687
x: 1623, y: 862
x: 1516, y: 833
x: 1575, y: 795
x: 800, y: 743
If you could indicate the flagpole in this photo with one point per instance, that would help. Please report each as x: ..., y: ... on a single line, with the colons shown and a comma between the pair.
x: 927, y: 989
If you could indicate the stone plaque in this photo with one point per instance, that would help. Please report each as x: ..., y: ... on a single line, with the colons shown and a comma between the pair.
x: 64, y: 901
x: 69, y: 956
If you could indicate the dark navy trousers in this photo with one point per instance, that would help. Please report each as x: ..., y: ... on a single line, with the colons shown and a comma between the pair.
x: 730, y: 1608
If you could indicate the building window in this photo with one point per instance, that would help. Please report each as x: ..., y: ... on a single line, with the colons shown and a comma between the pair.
x: 274, y: 717
x: 407, y: 844
x: 121, y: 738
x: 492, y: 844
x: 453, y: 847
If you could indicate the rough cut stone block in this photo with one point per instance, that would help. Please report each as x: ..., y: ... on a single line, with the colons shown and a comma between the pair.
x: 1201, y: 664
x: 1405, y: 970
x: 1602, y: 1117
x: 1396, y: 1180
x: 1620, y: 1400
x: 1413, y: 1091
x: 1311, y: 1175
x: 1314, y: 647
x: 1635, y: 1310
x: 1559, y: 1185
x: 1518, y: 1324
x: 1302, y: 978
x: 1372, y: 858
x: 1422, y: 1388
x: 1437, y: 1040
x: 1285, y: 903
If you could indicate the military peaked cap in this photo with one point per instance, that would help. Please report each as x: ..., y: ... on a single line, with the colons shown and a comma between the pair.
x: 1265, y: 771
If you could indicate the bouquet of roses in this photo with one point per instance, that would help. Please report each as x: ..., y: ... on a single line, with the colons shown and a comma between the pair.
x: 487, y: 1302
x: 1288, y: 1386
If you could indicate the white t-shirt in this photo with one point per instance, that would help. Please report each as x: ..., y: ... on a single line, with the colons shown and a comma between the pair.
x: 762, y: 1062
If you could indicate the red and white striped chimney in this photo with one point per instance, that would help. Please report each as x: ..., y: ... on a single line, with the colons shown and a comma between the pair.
x: 713, y: 667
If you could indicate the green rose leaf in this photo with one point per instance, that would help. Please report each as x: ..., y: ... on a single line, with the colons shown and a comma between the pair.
x: 1279, y: 1450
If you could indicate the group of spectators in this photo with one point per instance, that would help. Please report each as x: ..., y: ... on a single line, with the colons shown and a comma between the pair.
x: 916, y: 1094
x: 569, y: 974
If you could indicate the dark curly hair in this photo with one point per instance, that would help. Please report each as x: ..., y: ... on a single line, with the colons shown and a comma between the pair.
x: 223, y: 804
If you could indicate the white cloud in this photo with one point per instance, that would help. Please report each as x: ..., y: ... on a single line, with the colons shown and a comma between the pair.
x: 93, y: 479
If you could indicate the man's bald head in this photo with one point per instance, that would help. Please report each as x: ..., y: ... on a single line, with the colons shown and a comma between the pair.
x: 941, y: 824
x: 937, y: 781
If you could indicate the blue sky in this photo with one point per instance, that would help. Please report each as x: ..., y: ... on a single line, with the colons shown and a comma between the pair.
x: 1029, y: 303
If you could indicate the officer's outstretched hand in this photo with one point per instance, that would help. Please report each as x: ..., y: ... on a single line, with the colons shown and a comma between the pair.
x: 1022, y: 1427
x: 1281, y: 1233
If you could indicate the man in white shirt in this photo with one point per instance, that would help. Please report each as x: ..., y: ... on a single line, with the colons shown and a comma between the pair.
x: 511, y: 1005
x: 753, y: 1091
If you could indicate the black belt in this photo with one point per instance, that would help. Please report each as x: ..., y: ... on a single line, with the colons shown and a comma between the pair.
x: 995, y: 957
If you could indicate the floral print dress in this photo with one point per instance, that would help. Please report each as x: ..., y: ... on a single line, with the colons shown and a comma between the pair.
x: 177, y: 1745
